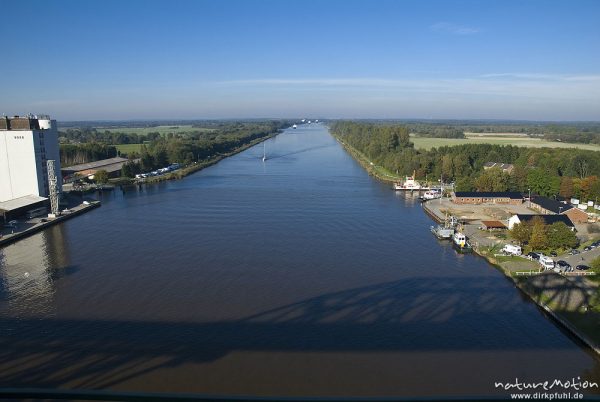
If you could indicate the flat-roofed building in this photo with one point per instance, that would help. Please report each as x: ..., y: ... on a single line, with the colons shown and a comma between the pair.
x: 26, y: 144
x: 112, y: 166
x: 20, y: 206
x: 487, y: 197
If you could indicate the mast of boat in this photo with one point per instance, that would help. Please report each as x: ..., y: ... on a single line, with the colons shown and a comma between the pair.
x: 441, y: 187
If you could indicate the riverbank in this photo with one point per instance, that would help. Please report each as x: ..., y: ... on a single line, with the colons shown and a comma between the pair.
x: 197, y: 166
x: 571, y: 301
x: 34, y: 227
x: 573, y: 304
x: 374, y: 170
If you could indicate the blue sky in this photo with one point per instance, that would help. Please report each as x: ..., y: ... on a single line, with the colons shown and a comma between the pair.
x: 111, y: 59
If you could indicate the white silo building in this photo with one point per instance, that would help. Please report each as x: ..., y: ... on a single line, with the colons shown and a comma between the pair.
x: 26, y: 144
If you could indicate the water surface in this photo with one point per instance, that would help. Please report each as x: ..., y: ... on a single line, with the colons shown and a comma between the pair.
x: 300, y: 276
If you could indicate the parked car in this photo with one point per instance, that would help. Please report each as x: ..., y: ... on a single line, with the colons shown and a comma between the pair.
x: 546, y: 262
x: 12, y: 224
x: 564, y: 266
x: 582, y: 267
x: 574, y: 252
x: 512, y: 249
x: 587, y: 248
x: 533, y: 256
x: 553, y: 254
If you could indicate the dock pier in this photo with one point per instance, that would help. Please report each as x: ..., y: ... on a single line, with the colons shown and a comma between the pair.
x: 78, y: 210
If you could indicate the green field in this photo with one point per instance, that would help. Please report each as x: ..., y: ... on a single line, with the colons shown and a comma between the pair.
x: 516, y: 139
x: 162, y: 130
x: 128, y: 148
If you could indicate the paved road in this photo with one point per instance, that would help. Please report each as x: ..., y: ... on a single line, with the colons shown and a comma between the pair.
x: 586, y: 257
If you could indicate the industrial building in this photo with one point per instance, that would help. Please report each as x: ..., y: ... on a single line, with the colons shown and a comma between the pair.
x: 26, y: 146
x: 487, y: 197
x: 548, y: 219
x: 112, y: 166
x: 549, y: 206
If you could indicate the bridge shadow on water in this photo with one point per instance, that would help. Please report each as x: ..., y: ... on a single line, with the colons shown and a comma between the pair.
x: 416, y: 314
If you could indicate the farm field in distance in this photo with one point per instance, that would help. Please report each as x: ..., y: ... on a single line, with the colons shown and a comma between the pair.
x: 520, y: 140
x: 128, y: 148
x: 162, y: 130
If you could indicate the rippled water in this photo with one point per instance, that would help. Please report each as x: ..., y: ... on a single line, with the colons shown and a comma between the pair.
x: 301, y: 276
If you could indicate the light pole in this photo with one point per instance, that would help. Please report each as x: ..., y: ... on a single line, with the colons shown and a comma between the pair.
x: 529, y: 199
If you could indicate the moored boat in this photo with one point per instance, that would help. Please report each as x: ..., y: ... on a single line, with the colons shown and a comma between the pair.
x: 431, y: 195
x: 445, y: 231
x: 461, y: 243
x: 442, y: 232
x: 409, y: 184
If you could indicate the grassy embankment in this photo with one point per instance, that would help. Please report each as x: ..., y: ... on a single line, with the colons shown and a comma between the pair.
x: 374, y: 170
x: 575, y: 307
x: 497, y: 139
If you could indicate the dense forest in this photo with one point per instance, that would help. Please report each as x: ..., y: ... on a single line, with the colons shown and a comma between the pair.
x: 91, y: 134
x: 74, y: 154
x: 580, y: 132
x: 436, y: 130
x: 185, y: 149
x: 199, y: 130
x: 546, y: 171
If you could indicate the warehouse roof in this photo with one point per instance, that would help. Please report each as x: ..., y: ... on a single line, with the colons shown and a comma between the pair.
x: 548, y: 219
x: 20, y: 202
x: 551, y: 205
x: 94, y: 165
x: 489, y: 194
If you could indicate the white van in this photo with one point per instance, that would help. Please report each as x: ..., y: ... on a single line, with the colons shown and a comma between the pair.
x: 546, y: 262
x: 512, y: 249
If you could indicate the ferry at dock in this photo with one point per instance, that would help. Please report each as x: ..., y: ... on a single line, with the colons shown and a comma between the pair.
x: 409, y: 184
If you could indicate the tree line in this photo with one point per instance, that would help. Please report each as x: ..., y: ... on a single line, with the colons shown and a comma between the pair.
x: 545, y: 171
x: 185, y: 150
x: 75, y: 154
x: 536, y: 235
x: 91, y: 134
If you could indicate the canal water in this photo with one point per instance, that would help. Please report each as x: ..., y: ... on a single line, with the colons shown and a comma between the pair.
x: 300, y: 276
